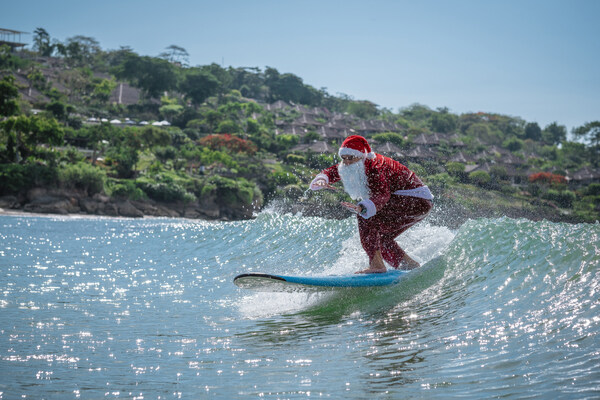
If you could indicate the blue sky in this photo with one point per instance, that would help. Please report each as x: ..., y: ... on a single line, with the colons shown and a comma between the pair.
x: 534, y: 59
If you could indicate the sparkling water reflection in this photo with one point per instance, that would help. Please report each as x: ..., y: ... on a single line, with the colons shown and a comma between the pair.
x: 115, y: 308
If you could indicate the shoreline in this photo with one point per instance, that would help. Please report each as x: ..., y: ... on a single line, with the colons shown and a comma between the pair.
x: 452, y: 216
x: 44, y: 201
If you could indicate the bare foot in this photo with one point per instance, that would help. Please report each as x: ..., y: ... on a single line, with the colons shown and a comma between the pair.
x: 376, y: 265
x: 408, y: 263
x: 372, y: 271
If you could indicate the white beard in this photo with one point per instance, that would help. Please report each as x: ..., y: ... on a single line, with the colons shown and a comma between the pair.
x: 354, y: 179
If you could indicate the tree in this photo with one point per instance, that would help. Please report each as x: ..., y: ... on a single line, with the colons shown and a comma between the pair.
x: 513, y: 144
x: 416, y: 112
x: 9, y: 95
x: 152, y: 75
x: 58, y: 110
x: 97, y: 135
x: 572, y: 154
x: 479, y: 130
x: 41, y: 42
x: 175, y: 54
x: 229, y: 143
x: 153, y: 136
x: 222, y: 75
x: 289, y: 87
x: 197, y: 85
x: 554, y: 133
x: 533, y: 131
x: 80, y: 50
x: 443, y: 121
x: 25, y: 133
x: 547, y: 178
x: 363, y: 109
x: 126, y: 158
x: 311, y: 136
x: 591, y: 132
x: 11, y: 61
x: 170, y: 108
x: 103, y: 90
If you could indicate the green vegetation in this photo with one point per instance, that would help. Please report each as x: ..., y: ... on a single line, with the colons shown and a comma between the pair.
x: 228, y: 143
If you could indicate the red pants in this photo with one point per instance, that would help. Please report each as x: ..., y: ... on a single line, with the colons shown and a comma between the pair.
x: 380, y: 231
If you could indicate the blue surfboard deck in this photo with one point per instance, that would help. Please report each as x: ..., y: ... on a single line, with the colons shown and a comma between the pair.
x: 293, y: 283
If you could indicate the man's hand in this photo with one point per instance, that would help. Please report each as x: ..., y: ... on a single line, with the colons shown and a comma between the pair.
x: 321, y: 184
x: 355, y: 208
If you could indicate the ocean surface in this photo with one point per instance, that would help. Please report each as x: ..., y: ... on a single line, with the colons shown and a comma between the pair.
x: 100, y: 308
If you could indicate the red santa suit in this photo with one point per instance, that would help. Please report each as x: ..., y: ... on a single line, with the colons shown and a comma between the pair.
x: 397, y: 200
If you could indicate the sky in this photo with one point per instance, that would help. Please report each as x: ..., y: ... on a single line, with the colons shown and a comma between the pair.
x: 534, y: 59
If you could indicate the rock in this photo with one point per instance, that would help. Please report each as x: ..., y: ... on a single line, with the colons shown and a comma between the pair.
x: 167, y: 212
x: 37, y: 194
x: 111, y: 209
x: 147, y: 208
x: 192, y: 213
x: 9, y: 202
x: 208, y: 206
x: 102, y: 198
x: 90, y: 206
x: 49, y: 207
x: 126, y: 209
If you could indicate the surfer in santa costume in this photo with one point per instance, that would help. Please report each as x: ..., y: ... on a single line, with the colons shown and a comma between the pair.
x: 391, y: 199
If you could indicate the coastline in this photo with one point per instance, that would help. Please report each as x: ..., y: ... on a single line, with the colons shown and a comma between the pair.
x: 42, y: 201
x: 446, y: 212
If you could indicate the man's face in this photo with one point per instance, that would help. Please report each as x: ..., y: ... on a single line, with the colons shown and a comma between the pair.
x: 349, y: 160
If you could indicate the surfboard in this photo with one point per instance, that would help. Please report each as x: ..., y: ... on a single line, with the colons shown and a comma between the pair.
x: 293, y: 283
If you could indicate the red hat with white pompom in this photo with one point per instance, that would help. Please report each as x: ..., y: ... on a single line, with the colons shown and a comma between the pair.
x: 356, y: 146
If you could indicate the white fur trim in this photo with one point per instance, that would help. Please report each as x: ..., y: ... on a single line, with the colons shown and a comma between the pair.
x: 371, y: 155
x: 422, y: 192
x: 371, y: 209
x: 318, y: 178
x: 346, y: 151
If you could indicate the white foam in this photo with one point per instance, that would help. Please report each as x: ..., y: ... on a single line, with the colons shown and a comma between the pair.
x: 263, y: 305
x: 423, y: 242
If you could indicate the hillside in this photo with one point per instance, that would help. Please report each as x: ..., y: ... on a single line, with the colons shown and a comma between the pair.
x: 116, y: 133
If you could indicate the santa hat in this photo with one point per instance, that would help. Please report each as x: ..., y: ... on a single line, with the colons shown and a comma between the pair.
x: 356, y: 146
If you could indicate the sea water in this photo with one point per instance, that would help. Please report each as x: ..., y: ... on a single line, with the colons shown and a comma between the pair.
x: 98, y: 308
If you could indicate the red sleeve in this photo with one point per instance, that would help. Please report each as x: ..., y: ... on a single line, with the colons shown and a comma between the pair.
x: 332, y: 174
x: 379, y: 187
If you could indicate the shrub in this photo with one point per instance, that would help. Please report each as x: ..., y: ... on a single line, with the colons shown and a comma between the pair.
x: 285, y: 178
x: 547, y: 177
x: 15, y: 178
x: 287, y: 141
x: 228, y: 142
x: 564, y: 198
x: 593, y: 189
x: 513, y: 144
x: 295, y: 158
x: 480, y: 178
x: 82, y: 176
x: 167, y: 192
x: 293, y: 191
x: 440, y: 180
x: 391, y: 137
x: 165, y: 153
x: 228, y: 126
x: 127, y: 189
x: 232, y: 191
x: 455, y: 169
